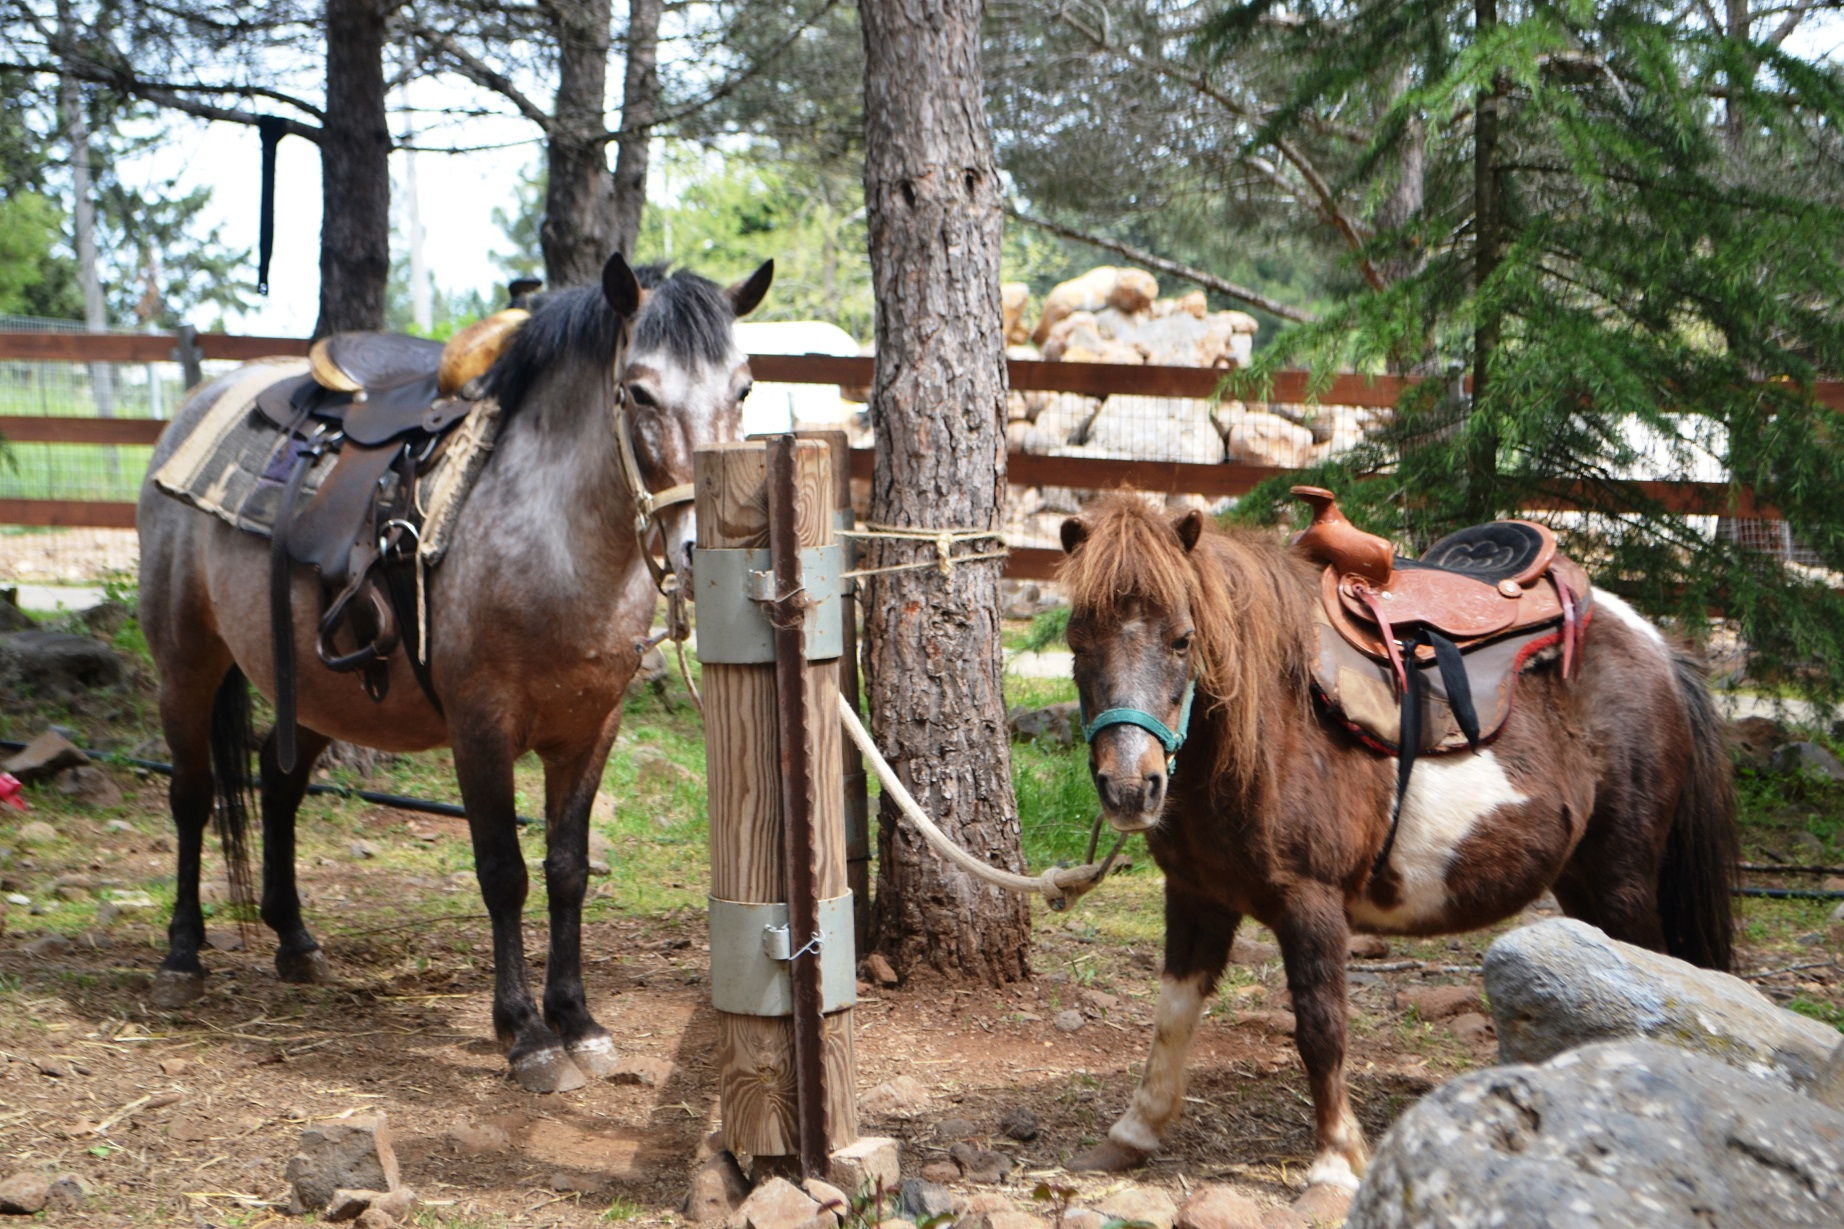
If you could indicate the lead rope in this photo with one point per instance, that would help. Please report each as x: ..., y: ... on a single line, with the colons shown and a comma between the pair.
x: 1061, y: 886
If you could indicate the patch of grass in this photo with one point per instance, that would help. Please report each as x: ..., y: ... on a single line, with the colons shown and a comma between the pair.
x: 1826, y: 1013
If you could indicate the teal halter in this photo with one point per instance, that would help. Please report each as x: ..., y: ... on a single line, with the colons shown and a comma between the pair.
x: 1168, y: 738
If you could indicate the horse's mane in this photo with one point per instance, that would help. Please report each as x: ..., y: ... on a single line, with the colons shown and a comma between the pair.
x: 687, y: 315
x: 1249, y: 602
x: 564, y: 324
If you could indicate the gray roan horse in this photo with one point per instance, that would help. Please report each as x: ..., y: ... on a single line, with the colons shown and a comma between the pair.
x: 1611, y: 788
x: 534, y: 617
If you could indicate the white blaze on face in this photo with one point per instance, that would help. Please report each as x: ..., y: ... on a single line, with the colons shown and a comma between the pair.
x: 1448, y: 797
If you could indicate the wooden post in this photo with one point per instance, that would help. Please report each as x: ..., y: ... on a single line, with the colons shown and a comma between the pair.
x: 857, y: 791
x: 756, y: 1053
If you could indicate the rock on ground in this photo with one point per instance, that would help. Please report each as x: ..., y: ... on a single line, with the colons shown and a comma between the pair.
x: 1629, y: 1134
x: 1219, y: 1207
x: 56, y: 665
x: 23, y: 1194
x: 45, y: 756
x: 356, y: 1154
x: 718, y: 1189
x: 779, y: 1204
x: 1562, y: 983
x: 869, y: 1163
x: 1134, y: 1202
x: 902, y: 1096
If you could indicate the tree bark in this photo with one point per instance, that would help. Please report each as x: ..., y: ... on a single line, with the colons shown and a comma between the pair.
x: 1480, y: 477
x: 932, y: 666
x: 577, y: 234
x: 355, y: 226
x: 639, y: 108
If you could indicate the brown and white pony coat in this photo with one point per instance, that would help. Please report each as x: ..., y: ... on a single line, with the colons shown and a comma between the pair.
x: 1611, y: 789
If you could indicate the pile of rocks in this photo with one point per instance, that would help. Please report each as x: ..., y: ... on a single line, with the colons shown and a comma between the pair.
x: 1115, y: 315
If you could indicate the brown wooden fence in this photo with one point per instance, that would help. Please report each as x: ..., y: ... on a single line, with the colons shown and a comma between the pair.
x: 1027, y: 469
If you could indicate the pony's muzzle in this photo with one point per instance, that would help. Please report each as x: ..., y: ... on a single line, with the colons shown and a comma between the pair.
x: 1131, y: 803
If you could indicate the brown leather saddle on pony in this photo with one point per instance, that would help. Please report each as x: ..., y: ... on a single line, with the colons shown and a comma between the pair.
x: 383, y: 405
x: 1422, y: 656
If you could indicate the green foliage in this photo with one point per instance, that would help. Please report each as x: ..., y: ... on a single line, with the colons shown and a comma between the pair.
x: 724, y: 216
x: 29, y: 225
x: 1664, y: 290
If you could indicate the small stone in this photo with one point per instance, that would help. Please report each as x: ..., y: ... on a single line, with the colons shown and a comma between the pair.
x: 90, y: 786
x: 941, y: 1172
x: 1082, y: 1218
x: 869, y: 1163
x: 1018, y: 1123
x: 46, y: 946
x: 829, y: 1197
x: 118, y: 825
x: 1068, y: 1020
x: 1324, y: 1203
x: 362, y: 849
x: 718, y: 1189
x: 1099, y: 1000
x: 45, y: 756
x: 1473, y: 1028
x: 478, y: 1139
x: 878, y: 971
x: 1807, y: 845
x: 1439, y: 1002
x: 1279, y: 1022
x: 777, y: 1204
x: 355, y: 1154
x: 921, y: 1200
x: 173, y: 1066
x: 1134, y: 1202
x: 375, y: 1217
x: 16, y: 898
x: 1015, y: 1219
x: 900, y: 1097
x: 564, y: 1180
x: 981, y: 1165
x: 1368, y: 947
x: 22, y: 1194
x: 955, y: 1128
x: 38, y: 832
x: 641, y: 1070
x: 1814, y: 938
x: 348, y: 1204
x: 56, y: 1068
x: 1219, y: 1207
x: 66, y: 1193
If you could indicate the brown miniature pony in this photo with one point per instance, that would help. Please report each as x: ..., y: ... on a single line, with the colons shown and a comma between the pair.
x: 1610, y: 789
x: 535, y: 618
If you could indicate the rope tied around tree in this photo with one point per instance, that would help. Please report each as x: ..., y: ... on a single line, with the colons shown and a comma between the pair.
x: 944, y: 541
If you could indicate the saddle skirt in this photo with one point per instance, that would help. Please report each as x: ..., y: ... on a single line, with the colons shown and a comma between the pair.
x: 1435, y: 646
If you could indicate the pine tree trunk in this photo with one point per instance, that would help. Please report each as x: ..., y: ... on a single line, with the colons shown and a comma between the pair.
x: 355, y: 148
x: 932, y: 663
x: 577, y: 230
x: 1479, y: 481
x: 639, y: 107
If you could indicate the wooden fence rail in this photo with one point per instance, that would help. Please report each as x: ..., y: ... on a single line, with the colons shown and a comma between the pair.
x: 1025, y: 469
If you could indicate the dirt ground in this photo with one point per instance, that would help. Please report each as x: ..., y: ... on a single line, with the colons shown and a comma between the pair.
x: 189, y: 1118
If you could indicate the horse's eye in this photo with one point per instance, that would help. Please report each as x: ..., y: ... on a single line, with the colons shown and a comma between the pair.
x: 1182, y: 644
x: 641, y: 396
x: 744, y: 394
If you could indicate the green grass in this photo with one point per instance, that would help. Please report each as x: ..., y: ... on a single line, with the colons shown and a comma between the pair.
x: 73, y: 471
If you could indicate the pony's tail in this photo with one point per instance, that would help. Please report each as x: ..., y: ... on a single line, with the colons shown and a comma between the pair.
x: 1702, y: 850
x: 232, y: 741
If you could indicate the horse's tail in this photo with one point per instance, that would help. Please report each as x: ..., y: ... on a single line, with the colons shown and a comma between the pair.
x: 1702, y: 851
x: 232, y: 740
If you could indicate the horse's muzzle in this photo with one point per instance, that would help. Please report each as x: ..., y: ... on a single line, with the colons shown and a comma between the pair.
x: 1131, y: 804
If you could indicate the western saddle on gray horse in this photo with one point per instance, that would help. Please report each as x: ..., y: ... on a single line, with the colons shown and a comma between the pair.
x: 1422, y: 656
x: 346, y: 443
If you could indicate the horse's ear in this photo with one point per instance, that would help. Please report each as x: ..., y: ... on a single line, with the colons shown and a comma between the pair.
x: 619, y: 286
x: 1075, y: 533
x: 747, y: 294
x: 1190, y: 528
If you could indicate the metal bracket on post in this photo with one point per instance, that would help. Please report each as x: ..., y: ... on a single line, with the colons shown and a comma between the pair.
x: 731, y: 587
x: 751, y: 948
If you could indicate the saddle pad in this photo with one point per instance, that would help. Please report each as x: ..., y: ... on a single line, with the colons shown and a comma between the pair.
x: 1361, y: 691
x: 1501, y: 550
x: 234, y: 463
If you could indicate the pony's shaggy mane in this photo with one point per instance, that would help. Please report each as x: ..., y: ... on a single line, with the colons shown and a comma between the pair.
x: 1250, y: 602
x: 575, y: 324
x: 687, y: 315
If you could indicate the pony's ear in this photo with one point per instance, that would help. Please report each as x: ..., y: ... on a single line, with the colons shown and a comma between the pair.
x: 1190, y: 528
x: 619, y: 286
x: 747, y: 294
x: 1075, y: 533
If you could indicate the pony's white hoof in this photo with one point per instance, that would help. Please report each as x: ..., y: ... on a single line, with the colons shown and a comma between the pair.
x: 309, y: 968
x: 547, y: 1070
x: 174, y: 988
x: 1109, y: 1156
x: 595, y: 1056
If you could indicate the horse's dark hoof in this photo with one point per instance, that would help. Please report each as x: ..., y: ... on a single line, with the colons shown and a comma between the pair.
x: 1107, y: 1157
x: 547, y: 1070
x: 309, y: 968
x: 595, y: 1056
x: 174, y: 988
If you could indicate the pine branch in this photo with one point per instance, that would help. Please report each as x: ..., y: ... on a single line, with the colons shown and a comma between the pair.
x: 1208, y: 281
x: 482, y: 74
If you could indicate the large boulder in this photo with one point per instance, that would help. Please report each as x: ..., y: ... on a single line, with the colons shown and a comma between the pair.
x: 56, y: 665
x: 1156, y: 429
x: 1633, y: 1135
x: 1260, y: 438
x: 1087, y: 293
x: 1561, y: 983
x: 1014, y: 297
